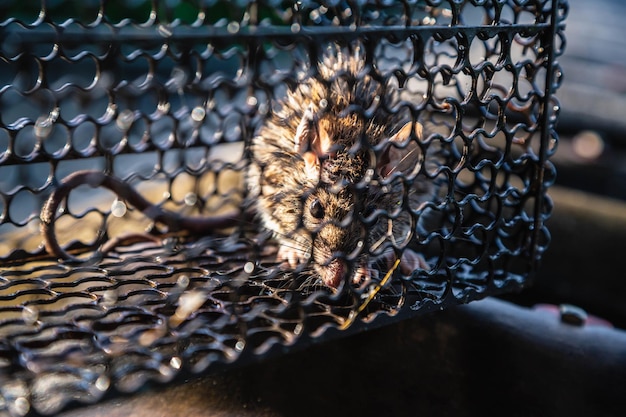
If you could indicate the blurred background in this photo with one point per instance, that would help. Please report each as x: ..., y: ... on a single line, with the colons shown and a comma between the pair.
x: 588, y: 226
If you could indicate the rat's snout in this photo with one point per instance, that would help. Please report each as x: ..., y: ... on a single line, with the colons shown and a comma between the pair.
x: 331, y: 246
x: 333, y: 273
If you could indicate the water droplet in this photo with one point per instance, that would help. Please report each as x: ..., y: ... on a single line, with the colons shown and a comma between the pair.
x: 183, y: 281
x: 323, y: 103
x: 295, y: 28
x: 191, y: 199
x: 252, y: 101
x: 198, y: 114
x: 21, y: 406
x: 118, y: 208
x: 102, y: 383
x: 233, y: 27
x: 240, y: 345
x: 248, y: 268
x: 166, y: 371
x: 176, y: 362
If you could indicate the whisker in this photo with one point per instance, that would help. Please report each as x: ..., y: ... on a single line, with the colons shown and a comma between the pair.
x: 289, y: 242
x: 404, y: 158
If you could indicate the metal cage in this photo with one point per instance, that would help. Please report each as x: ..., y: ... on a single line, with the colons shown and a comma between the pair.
x: 166, y: 98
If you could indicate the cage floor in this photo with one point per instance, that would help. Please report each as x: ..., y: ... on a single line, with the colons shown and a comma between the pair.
x: 153, y: 312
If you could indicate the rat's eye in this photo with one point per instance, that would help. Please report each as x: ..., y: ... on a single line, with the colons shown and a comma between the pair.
x: 316, y: 209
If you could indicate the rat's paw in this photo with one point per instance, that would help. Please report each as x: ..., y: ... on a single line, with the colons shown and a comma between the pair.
x: 364, y: 273
x: 409, y: 262
x: 291, y: 255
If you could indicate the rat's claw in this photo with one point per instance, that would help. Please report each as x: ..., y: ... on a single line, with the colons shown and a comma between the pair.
x: 293, y: 256
x: 360, y: 275
x: 363, y: 274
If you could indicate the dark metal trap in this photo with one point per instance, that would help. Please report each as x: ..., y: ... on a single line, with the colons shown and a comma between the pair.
x: 167, y: 99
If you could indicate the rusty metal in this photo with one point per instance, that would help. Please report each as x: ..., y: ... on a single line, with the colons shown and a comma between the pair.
x: 166, y: 98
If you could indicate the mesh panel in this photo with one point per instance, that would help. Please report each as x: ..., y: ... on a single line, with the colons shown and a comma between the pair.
x: 145, y: 147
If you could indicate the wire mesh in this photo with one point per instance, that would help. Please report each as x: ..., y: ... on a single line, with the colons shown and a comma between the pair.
x: 102, y: 292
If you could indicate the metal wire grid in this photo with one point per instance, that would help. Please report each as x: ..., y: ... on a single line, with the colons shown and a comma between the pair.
x: 166, y: 101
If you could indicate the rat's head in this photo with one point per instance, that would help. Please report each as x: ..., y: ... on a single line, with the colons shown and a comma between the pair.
x: 336, y: 235
x: 349, y: 189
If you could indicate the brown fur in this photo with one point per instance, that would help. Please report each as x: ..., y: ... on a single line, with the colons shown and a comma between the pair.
x: 347, y: 177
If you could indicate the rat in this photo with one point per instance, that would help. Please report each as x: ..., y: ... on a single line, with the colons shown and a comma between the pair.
x: 327, y: 174
x: 331, y: 177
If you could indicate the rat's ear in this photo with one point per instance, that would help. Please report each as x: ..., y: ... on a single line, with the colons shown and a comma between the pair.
x: 311, y: 136
x: 400, y: 153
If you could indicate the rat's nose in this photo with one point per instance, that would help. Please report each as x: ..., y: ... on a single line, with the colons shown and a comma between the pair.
x: 333, y: 273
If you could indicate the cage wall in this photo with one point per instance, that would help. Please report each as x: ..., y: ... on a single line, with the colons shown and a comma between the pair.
x: 170, y: 100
